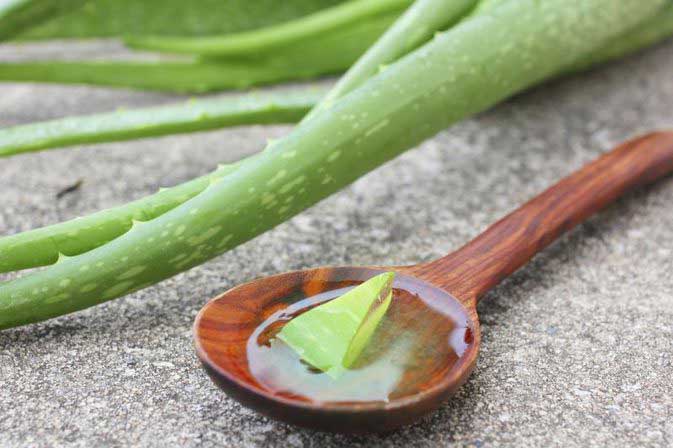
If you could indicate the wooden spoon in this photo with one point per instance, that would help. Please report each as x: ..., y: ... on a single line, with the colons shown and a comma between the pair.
x: 225, y: 324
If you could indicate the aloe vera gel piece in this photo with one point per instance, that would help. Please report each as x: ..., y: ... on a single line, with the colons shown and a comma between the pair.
x: 330, y: 337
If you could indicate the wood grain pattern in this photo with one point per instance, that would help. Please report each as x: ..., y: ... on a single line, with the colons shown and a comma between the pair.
x: 224, y: 326
x: 510, y: 243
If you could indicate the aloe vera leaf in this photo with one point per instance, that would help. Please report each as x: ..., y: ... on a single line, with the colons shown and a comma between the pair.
x: 209, y: 114
x: 270, y: 39
x: 331, y: 150
x: 642, y: 36
x: 328, y: 54
x: 30, y: 248
x: 190, y: 116
x: 458, y: 73
x: 42, y: 246
x: 485, y: 6
x: 111, y: 18
x: 172, y: 119
x: 366, y: 330
x: 47, y: 245
x: 414, y: 27
x: 205, y: 76
x: 332, y: 335
x: 19, y: 15
x: 181, y: 77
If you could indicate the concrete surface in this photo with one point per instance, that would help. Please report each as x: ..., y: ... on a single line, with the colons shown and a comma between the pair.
x: 577, y: 349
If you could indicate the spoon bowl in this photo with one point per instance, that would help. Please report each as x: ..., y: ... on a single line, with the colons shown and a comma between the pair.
x: 227, y: 323
x: 457, y: 281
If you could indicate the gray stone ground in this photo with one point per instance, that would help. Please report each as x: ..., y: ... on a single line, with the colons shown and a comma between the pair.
x: 578, y: 346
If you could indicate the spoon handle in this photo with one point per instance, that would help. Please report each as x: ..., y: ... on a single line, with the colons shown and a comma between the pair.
x: 507, y: 245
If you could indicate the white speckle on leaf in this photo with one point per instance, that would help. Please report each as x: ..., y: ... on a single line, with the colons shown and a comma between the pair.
x: 205, y: 236
x: 290, y: 185
x: 278, y: 176
x: 268, y: 198
x: 271, y: 204
x: 225, y: 240
x: 132, y: 272
x: 177, y: 258
x: 57, y: 298
x: 117, y: 289
x: 88, y: 287
x: 377, y: 127
x: 334, y: 155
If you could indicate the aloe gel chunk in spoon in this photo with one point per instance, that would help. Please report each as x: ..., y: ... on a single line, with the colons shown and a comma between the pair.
x: 330, y: 337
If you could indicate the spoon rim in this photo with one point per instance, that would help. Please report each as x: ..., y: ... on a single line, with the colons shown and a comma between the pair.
x: 452, y: 381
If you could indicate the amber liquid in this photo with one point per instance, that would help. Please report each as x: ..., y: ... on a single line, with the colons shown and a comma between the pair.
x: 417, y: 342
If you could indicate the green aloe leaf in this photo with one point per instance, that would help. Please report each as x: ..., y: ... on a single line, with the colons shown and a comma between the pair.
x: 109, y: 18
x: 326, y: 54
x: 650, y: 32
x: 270, y: 39
x: 19, y: 15
x: 331, y: 336
x: 458, y: 73
x: 174, y: 76
x: 190, y: 116
x: 418, y: 24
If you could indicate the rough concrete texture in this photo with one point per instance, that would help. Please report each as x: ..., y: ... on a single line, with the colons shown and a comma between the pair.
x: 577, y: 347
